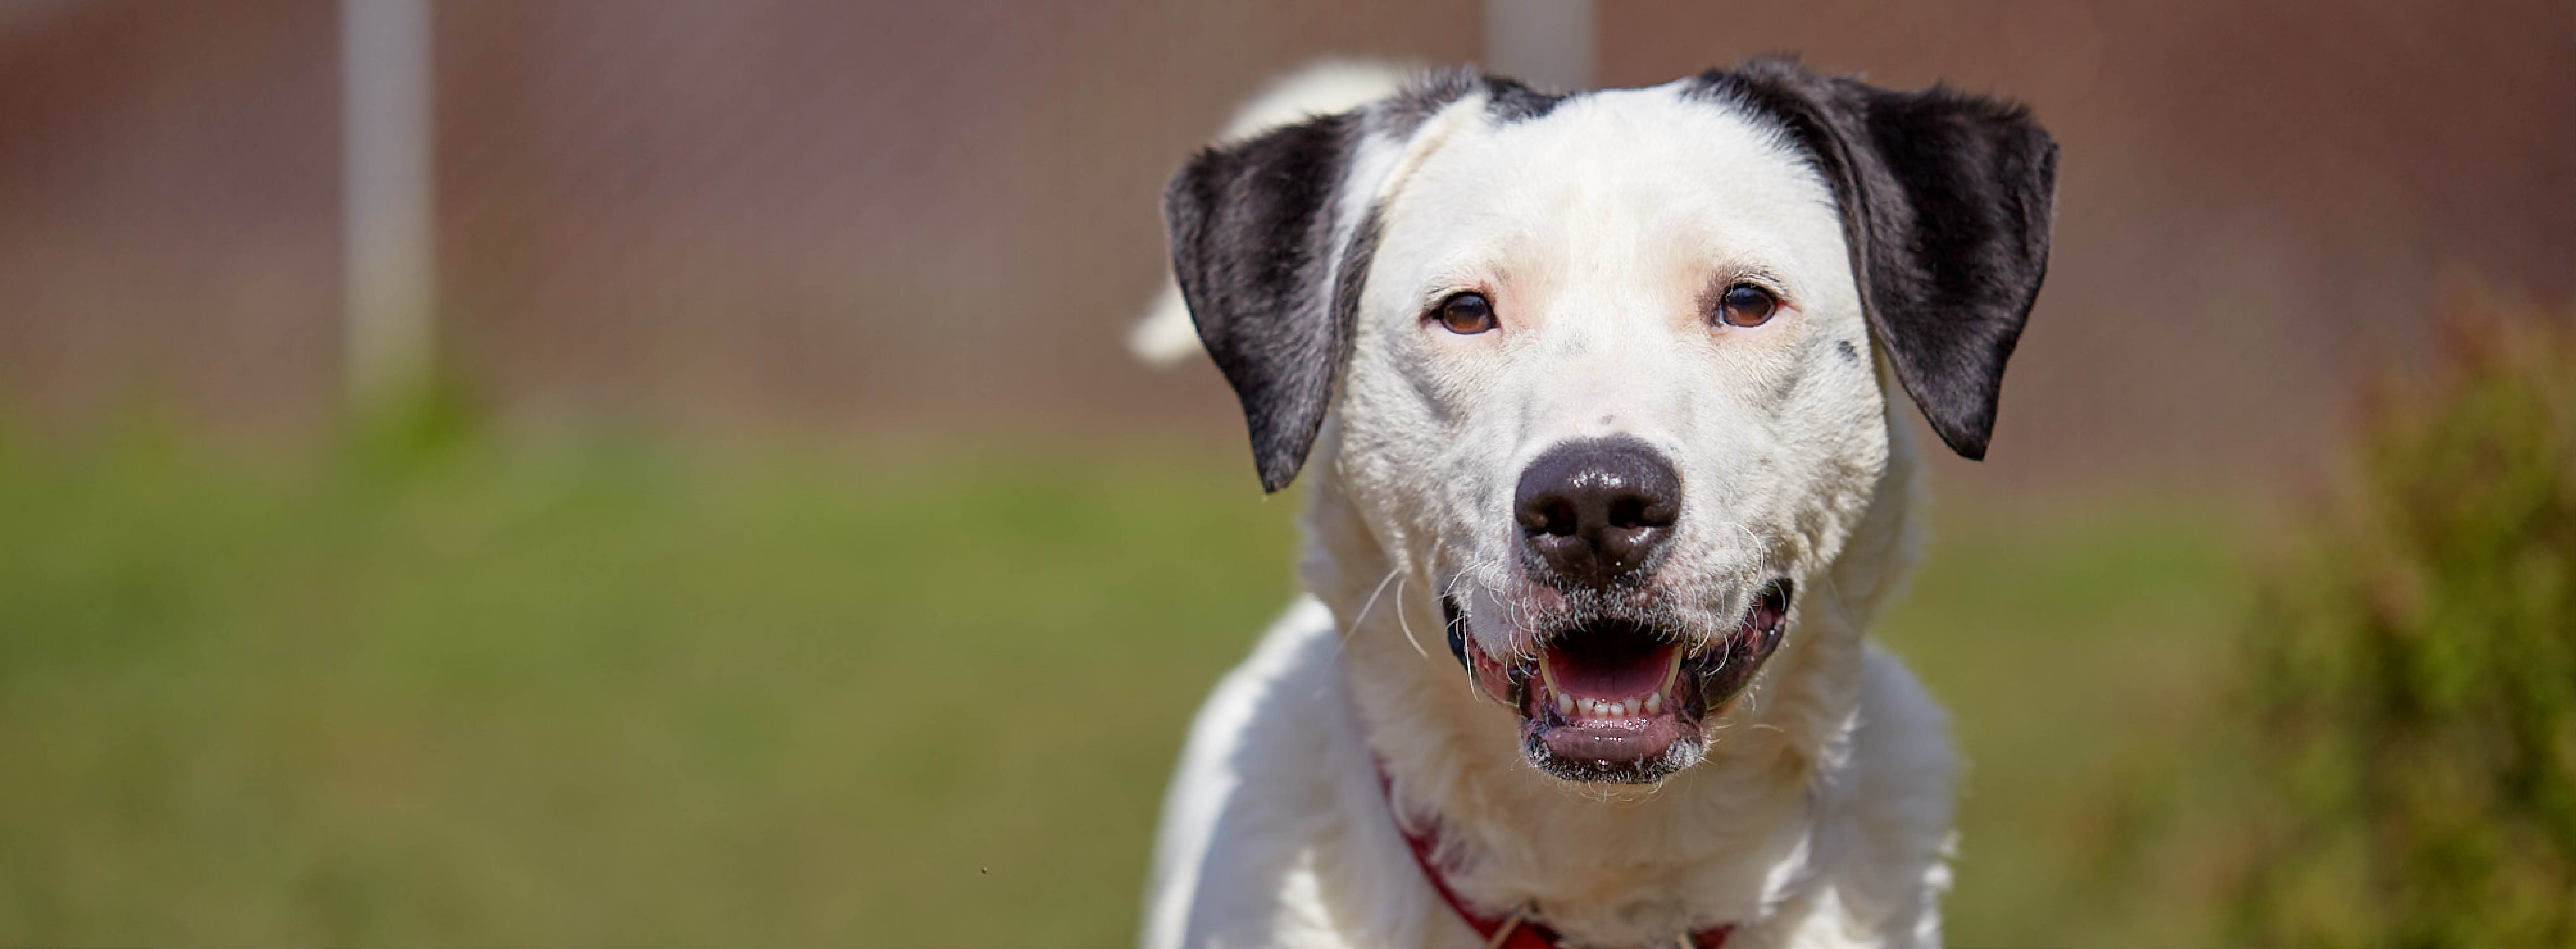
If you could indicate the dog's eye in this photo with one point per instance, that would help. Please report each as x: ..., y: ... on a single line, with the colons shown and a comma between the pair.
x: 1747, y: 305
x: 1466, y: 314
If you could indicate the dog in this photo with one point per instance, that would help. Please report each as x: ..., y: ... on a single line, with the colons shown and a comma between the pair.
x: 1598, y: 388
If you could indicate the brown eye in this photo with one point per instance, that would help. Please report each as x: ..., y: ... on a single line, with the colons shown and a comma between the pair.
x: 1466, y: 314
x: 1747, y: 305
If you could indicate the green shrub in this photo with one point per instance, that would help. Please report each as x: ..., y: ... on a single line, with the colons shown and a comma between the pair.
x: 2410, y: 674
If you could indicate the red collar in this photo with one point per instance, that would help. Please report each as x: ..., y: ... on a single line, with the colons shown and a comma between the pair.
x: 1521, y: 929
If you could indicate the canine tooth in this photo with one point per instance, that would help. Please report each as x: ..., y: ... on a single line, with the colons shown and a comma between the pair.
x: 1672, y: 670
x: 1565, y: 705
x: 1655, y: 704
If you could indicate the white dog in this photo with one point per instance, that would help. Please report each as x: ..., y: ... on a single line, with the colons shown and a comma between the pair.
x: 1597, y: 388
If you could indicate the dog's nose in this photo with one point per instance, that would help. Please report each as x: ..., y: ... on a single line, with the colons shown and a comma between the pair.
x: 1594, y: 512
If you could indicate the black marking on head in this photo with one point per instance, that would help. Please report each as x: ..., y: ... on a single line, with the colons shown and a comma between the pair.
x: 1252, y: 231
x: 1426, y: 96
x: 1849, y: 352
x: 1506, y: 101
x: 1946, y: 201
x: 1510, y: 101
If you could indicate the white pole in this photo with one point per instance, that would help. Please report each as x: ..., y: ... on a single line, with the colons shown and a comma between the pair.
x: 388, y: 228
x: 1545, y: 43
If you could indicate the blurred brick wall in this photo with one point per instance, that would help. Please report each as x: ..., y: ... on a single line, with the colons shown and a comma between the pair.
x: 850, y: 217
x: 2252, y: 198
x: 170, y: 210
x: 897, y: 214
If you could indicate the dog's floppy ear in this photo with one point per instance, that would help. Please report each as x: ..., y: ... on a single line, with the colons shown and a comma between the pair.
x: 1946, y: 204
x: 1271, y: 274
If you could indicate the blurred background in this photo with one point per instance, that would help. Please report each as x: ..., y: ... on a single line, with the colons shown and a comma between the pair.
x: 655, y: 473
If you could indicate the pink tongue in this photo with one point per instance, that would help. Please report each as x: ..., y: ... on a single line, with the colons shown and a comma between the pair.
x: 1608, y: 673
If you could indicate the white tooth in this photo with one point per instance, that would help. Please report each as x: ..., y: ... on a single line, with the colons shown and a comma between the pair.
x: 1655, y: 704
x: 1672, y: 670
x: 1600, y: 709
x: 1565, y: 705
x: 1628, y: 708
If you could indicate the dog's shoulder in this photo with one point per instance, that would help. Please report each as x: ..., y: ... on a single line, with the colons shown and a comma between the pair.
x: 1270, y: 763
x: 1885, y: 840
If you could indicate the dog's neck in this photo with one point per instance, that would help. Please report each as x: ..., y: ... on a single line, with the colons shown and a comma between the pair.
x: 1612, y: 863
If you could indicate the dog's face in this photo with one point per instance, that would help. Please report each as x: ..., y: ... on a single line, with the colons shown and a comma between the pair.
x: 1604, y: 365
x: 1611, y: 376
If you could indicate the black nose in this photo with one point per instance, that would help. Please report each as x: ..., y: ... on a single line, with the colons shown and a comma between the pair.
x: 1594, y: 512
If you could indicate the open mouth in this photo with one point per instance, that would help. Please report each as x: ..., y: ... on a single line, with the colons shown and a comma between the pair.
x: 1618, y: 701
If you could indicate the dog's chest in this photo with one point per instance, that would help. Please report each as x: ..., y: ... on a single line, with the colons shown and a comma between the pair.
x: 1630, y: 878
x: 1791, y: 843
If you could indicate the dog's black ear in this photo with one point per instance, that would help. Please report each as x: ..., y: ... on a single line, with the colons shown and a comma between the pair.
x: 1946, y: 201
x: 1254, y: 235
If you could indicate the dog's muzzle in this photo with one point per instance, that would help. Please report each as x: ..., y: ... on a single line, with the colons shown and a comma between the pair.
x: 1623, y: 700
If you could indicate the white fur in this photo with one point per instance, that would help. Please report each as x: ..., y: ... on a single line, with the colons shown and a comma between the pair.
x: 1821, y: 812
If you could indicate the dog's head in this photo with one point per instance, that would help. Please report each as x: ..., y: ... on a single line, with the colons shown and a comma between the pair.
x: 1605, y: 368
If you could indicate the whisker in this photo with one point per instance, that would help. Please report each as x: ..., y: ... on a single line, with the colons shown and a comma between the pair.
x: 1372, y: 603
x: 1407, y: 624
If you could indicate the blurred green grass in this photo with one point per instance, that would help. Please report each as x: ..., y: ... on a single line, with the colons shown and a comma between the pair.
x: 620, y: 694
x: 2085, y: 656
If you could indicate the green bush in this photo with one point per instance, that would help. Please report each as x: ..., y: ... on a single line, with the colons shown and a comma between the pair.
x: 2410, y: 674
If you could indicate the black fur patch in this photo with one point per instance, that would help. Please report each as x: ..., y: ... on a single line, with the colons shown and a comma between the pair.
x: 1849, y: 352
x: 1946, y: 201
x: 1252, y: 247
x: 1506, y: 101
x: 1425, y: 97
x: 1512, y: 102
